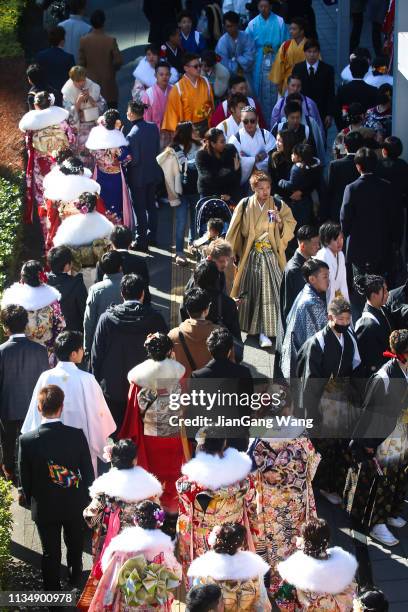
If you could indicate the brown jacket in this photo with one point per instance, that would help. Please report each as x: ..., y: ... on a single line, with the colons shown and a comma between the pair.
x: 196, y: 333
x: 100, y: 55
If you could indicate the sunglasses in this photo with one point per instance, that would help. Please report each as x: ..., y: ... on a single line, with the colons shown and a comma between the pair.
x: 194, y: 66
x: 246, y: 121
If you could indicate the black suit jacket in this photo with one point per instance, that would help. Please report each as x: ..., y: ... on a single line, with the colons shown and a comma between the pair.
x: 354, y: 91
x: 21, y: 363
x: 367, y: 220
x: 319, y: 88
x: 341, y: 173
x: 292, y: 284
x: 132, y: 263
x: 73, y: 298
x: 55, y: 444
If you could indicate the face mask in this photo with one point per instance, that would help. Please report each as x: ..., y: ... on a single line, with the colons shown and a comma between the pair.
x: 341, y: 329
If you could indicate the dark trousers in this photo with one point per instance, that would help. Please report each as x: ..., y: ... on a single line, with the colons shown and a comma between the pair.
x: 117, y: 410
x: 357, y: 21
x: 50, y: 536
x: 9, y: 432
x: 143, y: 198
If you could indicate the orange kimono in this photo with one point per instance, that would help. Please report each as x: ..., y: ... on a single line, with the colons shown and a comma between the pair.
x: 289, y: 54
x: 188, y: 102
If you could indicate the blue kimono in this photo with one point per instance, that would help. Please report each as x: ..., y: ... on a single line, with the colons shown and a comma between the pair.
x: 194, y: 43
x: 271, y: 32
x: 236, y: 54
x: 307, y: 316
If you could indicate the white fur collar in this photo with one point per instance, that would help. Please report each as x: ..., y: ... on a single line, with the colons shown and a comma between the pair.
x: 71, y: 93
x: 68, y: 187
x: 244, y: 565
x: 137, y: 540
x: 156, y: 374
x: 40, y: 119
x: 78, y: 230
x: 102, y: 138
x: 132, y: 485
x: 318, y: 575
x: 214, y: 472
x: 30, y: 298
x: 56, y: 172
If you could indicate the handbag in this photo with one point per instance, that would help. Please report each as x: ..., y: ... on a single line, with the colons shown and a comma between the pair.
x: 90, y: 114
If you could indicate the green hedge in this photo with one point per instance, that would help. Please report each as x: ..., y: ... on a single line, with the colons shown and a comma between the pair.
x: 6, y: 526
x: 10, y: 14
x: 11, y: 210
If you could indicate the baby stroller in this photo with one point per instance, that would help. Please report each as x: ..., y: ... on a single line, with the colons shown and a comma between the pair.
x: 209, y: 207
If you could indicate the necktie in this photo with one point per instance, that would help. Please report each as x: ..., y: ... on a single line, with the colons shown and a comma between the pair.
x: 311, y: 71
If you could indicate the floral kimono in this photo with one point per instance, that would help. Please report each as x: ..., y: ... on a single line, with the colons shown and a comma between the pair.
x: 240, y: 577
x: 213, y: 490
x: 318, y: 585
x: 284, y: 496
x: 111, y: 153
x: 45, y: 131
x: 140, y: 572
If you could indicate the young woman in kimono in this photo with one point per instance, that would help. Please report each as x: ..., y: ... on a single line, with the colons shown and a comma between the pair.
x: 146, y: 420
x: 46, y: 130
x: 377, y: 483
x: 326, y: 363
x: 239, y: 573
x: 286, y: 463
x: 45, y: 319
x: 82, y: 99
x: 268, y: 31
x: 140, y: 571
x: 116, y: 493
x: 259, y: 233
x: 216, y: 487
x: 110, y: 149
x: 317, y: 577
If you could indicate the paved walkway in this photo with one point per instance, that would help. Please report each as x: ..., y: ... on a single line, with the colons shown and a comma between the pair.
x: 126, y: 21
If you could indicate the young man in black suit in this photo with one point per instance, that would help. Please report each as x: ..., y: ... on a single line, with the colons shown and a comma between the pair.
x: 356, y: 90
x: 341, y: 173
x: 21, y: 363
x: 224, y: 374
x: 132, y: 263
x: 317, y: 81
x: 72, y: 288
x: 56, y: 471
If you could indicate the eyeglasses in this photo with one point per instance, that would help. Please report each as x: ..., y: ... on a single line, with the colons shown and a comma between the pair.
x: 246, y: 121
x: 196, y: 66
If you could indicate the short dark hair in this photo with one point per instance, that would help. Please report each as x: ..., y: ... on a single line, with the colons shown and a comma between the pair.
x: 304, y: 152
x: 366, y: 159
x: 236, y: 99
x: 56, y: 36
x: 235, y: 79
x: 294, y: 76
x: 169, y: 30
x: 203, y: 598
x: 306, y: 232
x: 329, y: 231
x: 14, y: 318
x: 75, y: 6
x: 299, y: 21
x: 358, y: 67
x: 58, y: 257
x: 353, y: 141
x: 132, y: 286
x: 206, y: 275
x: 67, y: 342
x: 215, y: 224
x: 312, y: 267
x: 292, y: 107
x: 189, y: 57
x: 111, y: 262
x: 196, y: 301
x: 98, y: 19
x: 50, y: 400
x: 231, y: 16
x: 339, y: 306
x: 121, y: 237
x: 183, y: 14
x: 36, y: 75
x: 209, y: 57
x: 220, y: 343
x: 137, y: 107
x: 163, y: 64
x: 153, y: 48
x: 311, y: 44
x: 393, y: 146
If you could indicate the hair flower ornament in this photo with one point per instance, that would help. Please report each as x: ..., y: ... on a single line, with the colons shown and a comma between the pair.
x: 212, y: 538
x: 160, y: 516
x: 107, y: 453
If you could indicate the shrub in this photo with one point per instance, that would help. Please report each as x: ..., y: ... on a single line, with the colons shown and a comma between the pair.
x: 11, y: 209
x: 10, y: 14
x: 6, y: 525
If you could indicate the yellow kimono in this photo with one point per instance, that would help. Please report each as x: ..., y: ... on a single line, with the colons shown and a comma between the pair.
x: 188, y: 102
x: 289, y: 54
x: 247, y: 226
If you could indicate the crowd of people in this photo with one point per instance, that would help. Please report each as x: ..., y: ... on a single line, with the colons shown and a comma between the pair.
x: 297, y: 241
